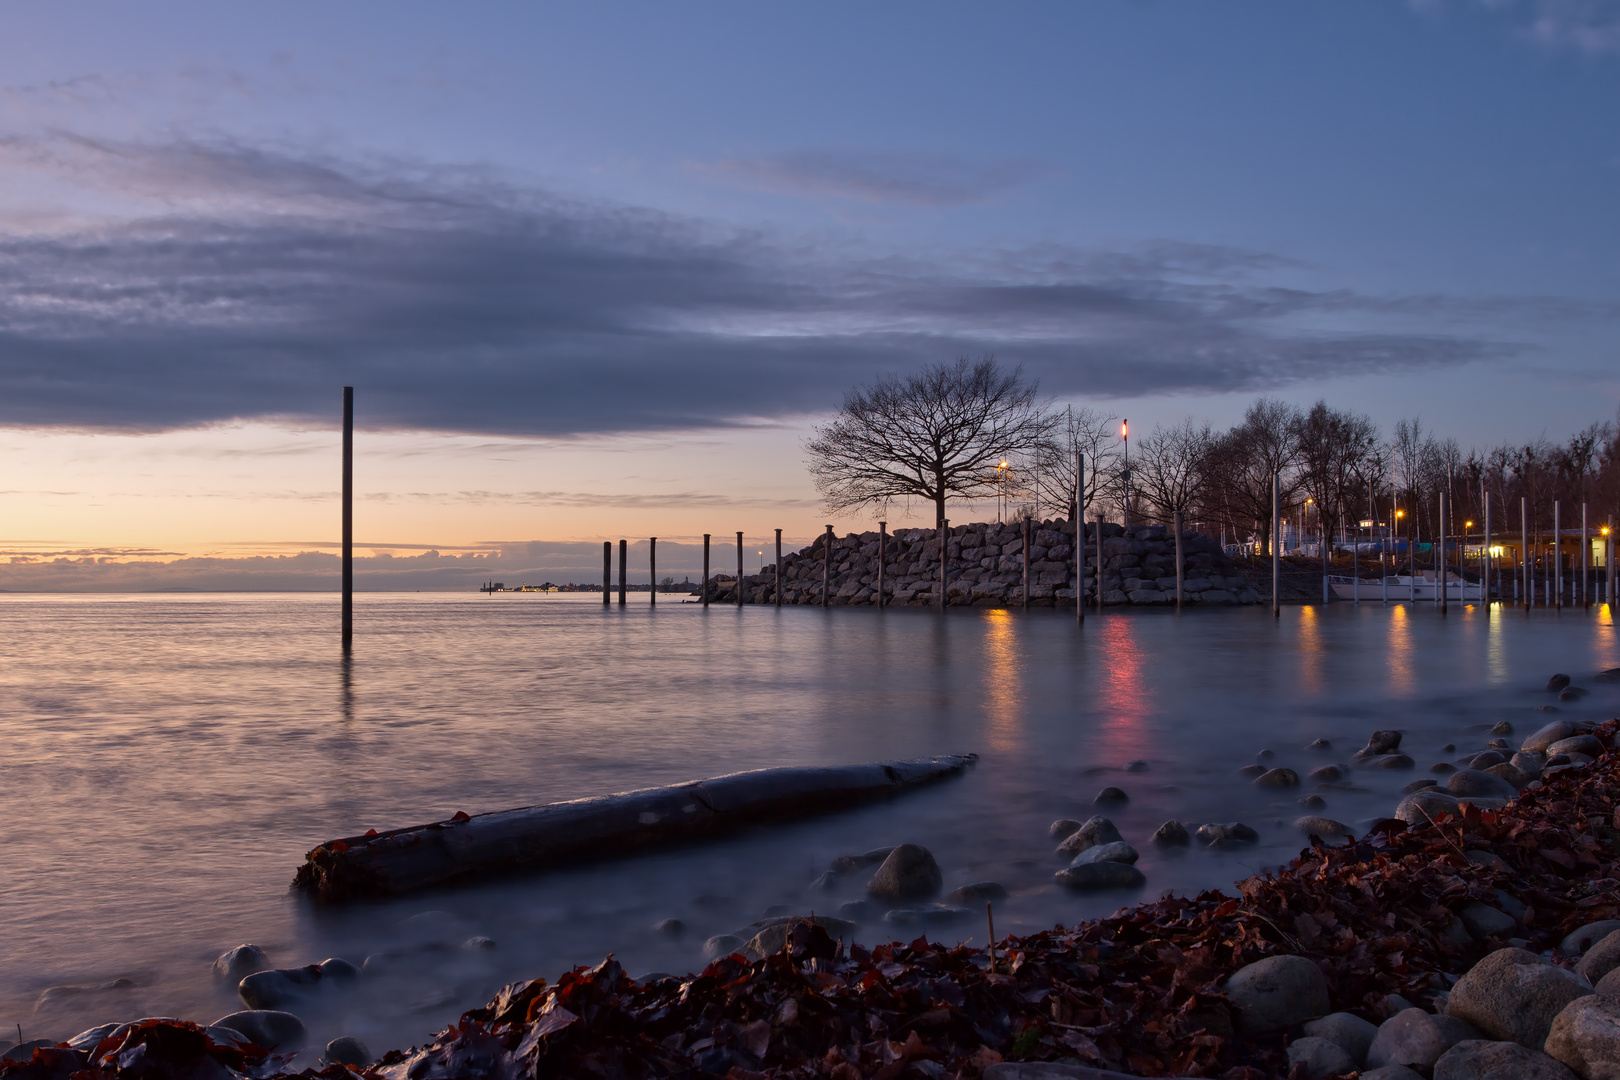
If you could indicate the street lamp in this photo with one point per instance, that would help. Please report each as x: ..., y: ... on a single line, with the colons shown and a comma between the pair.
x: 1125, y: 437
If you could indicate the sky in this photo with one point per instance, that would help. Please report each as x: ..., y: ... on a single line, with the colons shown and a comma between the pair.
x: 598, y: 270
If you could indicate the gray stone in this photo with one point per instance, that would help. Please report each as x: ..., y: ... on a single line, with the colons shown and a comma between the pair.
x: 1419, y: 785
x: 1529, y: 763
x: 1482, y: 921
x: 1391, y: 1072
x: 282, y: 988
x: 1502, y: 727
x: 669, y: 927
x: 1486, y: 760
x: 1602, y: 957
x: 1096, y: 830
x: 1348, y: 1030
x: 1580, y: 940
x: 237, y: 964
x: 1327, y: 774
x: 1553, y: 732
x: 1118, y: 851
x: 979, y: 892
x: 825, y: 882
x: 1318, y: 1058
x: 1277, y: 778
x: 1137, y: 766
x: 1319, y: 744
x: 1100, y: 875
x: 1414, y: 1038
x: 1577, y: 744
x: 270, y: 1029
x: 1326, y: 828
x: 1557, y: 683
x: 347, y: 1050
x: 773, y: 935
x: 1609, y: 985
x: 909, y: 873
x: 1422, y: 807
x: 1311, y: 802
x: 1385, y: 741
x: 1172, y: 834
x: 1061, y: 828
x: 1252, y: 772
x: 1514, y: 994
x: 1392, y: 761
x: 722, y: 945
x: 1481, y: 1059
x: 1110, y: 796
x: 1277, y: 993
x: 1511, y: 774
x: 1227, y: 834
x: 1586, y: 1037
x: 90, y: 1039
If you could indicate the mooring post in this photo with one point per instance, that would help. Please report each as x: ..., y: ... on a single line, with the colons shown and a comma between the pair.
x: 1524, y: 553
x: 652, y: 570
x: 739, y: 571
x: 826, y: 567
x: 883, y: 557
x: 624, y: 559
x: 778, y: 567
x: 1443, y: 567
x: 1079, y: 519
x: 705, y: 569
x: 607, y: 572
x: 1026, y: 562
x: 348, y: 517
x: 1557, y: 576
x: 1586, y: 547
x: 944, y: 548
x: 1276, y: 539
x: 1485, y: 554
x: 1181, y: 574
x: 1099, y: 564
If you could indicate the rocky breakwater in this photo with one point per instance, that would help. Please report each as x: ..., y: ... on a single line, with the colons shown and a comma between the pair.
x: 984, y: 567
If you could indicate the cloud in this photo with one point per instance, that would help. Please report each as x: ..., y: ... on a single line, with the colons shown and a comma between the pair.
x: 217, y: 281
x: 876, y: 177
x: 1584, y: 26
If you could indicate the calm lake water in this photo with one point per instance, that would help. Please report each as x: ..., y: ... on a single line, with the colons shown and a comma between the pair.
x: 170, y: 759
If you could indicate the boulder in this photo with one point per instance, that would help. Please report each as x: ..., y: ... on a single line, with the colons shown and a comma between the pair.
x: 1483, y: 921
x: 1578, y: 942
x: 281, y: 988
x: 1252, y: 772
x: 1319, y: 744
x: 1096, y: 830
x: 1327, y: 774
x: 1557, y: 683
x: 1061, y: 828
x: 1172, y: 834
x: 1416, y: 1039
x: 978, y: 893
x: 1577, y: 744
x: 1529, y: 762
x: 1349, y: 1031
x: 1392, y: 761
x: 1514, y: 994
x: 1136, y: 766
x: 1110, y: 796
x: 773, y: 935
x: 1419, y: 785
x: 1481, y: 1059
x: 1318, y: 1058
x: 1230, y: 834
x: 1572, y: 693
x: 1609, y: 985
x: 1276, y: 993
x: 1277, y: 778
x: 1100, y: 875
x: 667, y: 927
x: 1511, y: 774
x: 1486, y: 759
x: 1586, y: 1037
x: 1553, y: 732
x: 1385, y: 741
x: 1602, y: 957
x: 1118, y: 851
x: 237, y: 964
x: 1391, y: 1072
x: 722, y: 945
x: 270, y: 1029
x: 347, y: 1050
x: 1326, y: 828
x: 908, y: 873
x: 1311, y: 802
x: 1474, y: 784
x: 1501, y: 727
x: 1422, y: 807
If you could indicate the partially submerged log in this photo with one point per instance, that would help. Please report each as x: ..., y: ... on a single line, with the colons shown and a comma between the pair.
x: 534, y: 838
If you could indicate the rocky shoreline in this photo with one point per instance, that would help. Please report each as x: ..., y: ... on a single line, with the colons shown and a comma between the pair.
x: 985, y: 568
x: 1474, y: 934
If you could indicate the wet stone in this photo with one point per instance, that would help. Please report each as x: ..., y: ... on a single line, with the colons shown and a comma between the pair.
x: 1326, y: 828
x: 1137, y: 766
x: 1319, y: 744
x: 1317, y: 1058
x: 1557, y: 683
x: 1118, y: 851
x: 1062, y: 828
x: 1172, y: 834
x: 1419, y: 785
x: 908, y: 873
x: 1384, y: 741
x: 1311, y: 802
x: 1096, y: 830
x: 1578, y: 942
x: 1514, y: 994
x: 1479, y: 1059
x: 271, y: 1029
x: 1097, y: 876
x: 978, y: 893
x: 1502, y: 727
x: 237, y: 964
x: 1110, y: 796
x: 667, y: 927
x: 1277, y: 778
x: 347, y: 1050
x: 1277, y: 993
x: 1346, y: 1030
x: 1250, y: 772
x: 1230, y: 834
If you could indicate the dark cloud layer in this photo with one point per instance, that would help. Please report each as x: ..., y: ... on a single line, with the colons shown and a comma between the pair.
x: 253, y: 283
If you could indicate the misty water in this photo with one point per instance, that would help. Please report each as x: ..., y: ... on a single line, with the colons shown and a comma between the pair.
x: 170, y: 759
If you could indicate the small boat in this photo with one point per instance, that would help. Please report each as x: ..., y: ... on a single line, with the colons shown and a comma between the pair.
x: 1401, y: 587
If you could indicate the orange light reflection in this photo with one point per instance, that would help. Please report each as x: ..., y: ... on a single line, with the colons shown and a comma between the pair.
x: 1003, y: 681
x: 1124, y: 707
x: 1310, y: 648
x: 1401, y: 675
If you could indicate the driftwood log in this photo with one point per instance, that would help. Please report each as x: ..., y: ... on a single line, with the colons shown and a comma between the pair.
x: 535, y: 838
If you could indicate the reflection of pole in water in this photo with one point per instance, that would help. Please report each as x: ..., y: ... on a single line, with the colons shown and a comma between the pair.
x: 348, y: 516
x: 346, y: 680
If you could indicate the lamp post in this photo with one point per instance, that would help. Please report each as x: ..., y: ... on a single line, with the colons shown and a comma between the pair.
x: 1125, y: 437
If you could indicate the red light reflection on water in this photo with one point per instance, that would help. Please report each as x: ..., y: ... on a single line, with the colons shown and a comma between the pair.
x: 1122, y: 728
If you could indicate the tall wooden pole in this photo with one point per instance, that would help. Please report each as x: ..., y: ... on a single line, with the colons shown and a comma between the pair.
x: 624, y: 559
x: 1557, y: 577
x: 826, y: 568
x: 1586, y: 548
x: 705, y: 569
x: 739, y: 571
x: 1444, y: 567
x: 1276, y: 536
x: 883, y: 558
x: 778, y: 567
x: 348, y: 516
x: 1080, y: 539
x: 1524, y: 553
x: 1181, y: 573
x: 1099, y: 564
x: 652, y: 570
x: 607, y: 572
x: 1026, y: 563
x: 944, y: 550
x: 1485, y: 554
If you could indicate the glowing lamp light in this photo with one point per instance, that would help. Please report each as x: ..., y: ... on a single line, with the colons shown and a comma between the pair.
x: 1124, y: 429
x: 1400, y: 513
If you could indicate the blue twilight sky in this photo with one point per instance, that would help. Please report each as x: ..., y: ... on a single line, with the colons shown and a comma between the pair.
x: 619, y: 220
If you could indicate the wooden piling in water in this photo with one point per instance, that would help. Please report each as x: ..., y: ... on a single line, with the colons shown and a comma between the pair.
x: 1524, y: 553
x: 883, y: 557
x: 1586, y: 550
x: 624, y: 559
x: 1026, y: 563
x: 1557, y: 576
x: 778, y: 567
x: 739, y: 571
x: 652, y: 571
x: 348, y: 517
x: 1444, y: 567
x: 826, y: 568
x: 1485, y: 554
x: 1276, y: 537
x: 1181, y: 568
x: 1099, y: 589
x: 1079, y: 520
x: 607, y: 572
x: 944, y: 548
x: 705, y: 589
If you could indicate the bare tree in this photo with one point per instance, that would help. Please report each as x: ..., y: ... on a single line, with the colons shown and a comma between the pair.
x: 1086, y: 431
x: 1169, y: 467
x: 1334, y: 451
x: 1240, y: 464
x: 935, y: 434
